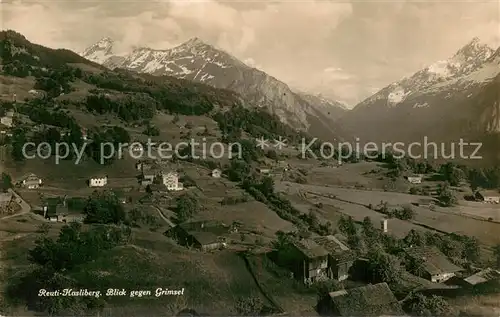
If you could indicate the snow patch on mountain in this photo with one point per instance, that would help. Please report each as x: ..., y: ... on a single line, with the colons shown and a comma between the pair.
x: 472, y: 64
x: 397, y: 96
x: 421, y: 105
x: 100, y: 51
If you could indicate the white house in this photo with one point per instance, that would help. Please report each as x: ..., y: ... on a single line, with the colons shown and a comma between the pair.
x: 489, y: 196
x: 171, y: 181
x: 264, y: 170
x: 415, y: 179
x: 216, y: 173
x: 98, y: 181
x: 8, y: 120
x: 84, y: 134
x: 32, y: 182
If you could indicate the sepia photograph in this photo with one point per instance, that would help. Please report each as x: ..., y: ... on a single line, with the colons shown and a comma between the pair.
x: 250, y: 158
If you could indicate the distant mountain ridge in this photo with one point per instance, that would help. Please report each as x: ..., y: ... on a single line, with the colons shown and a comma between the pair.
x: 198, y: 61
x: 465, y: 61
x: 448, y: 100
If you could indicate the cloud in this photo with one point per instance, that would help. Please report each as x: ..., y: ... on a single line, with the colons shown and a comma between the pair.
x: 336, y: 74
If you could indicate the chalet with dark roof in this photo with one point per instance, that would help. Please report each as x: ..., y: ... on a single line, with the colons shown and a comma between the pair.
x: 340, y: 258
x: 431, y: 264
x: 489, y: 196
x: 371, y: 300
x: 310, y: 261
x: 203, y: 235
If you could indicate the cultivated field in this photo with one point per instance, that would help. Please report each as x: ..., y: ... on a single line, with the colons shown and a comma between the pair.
x: 353, y: 202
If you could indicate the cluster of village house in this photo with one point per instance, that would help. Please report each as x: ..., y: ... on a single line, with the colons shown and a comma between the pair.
x: 314, y: 259
x: 487, y: 196
x: 328, y: 257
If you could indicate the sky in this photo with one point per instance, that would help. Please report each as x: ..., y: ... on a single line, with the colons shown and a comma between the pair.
x: 346, y: 50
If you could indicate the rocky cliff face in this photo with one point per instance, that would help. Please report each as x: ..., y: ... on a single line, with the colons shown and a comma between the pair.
x: 198, y: 61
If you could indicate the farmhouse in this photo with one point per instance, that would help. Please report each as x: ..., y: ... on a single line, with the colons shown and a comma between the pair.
x: 149, y: 171
x: 84, y: 134
x: 203, y: 235
x: 54, y: 211
x: 340, y: 259
x: 488, y: 196
x: 431, y: 264
x: 370, y: 300
x: 31, y: 182
x: 59, y: 212
x: 216, y: 173
x: 98, y: 181
x: 143, y: 165
x: 310, y: 261
x: 5, y: 199
x: 264, y: 171
x: 415, y: 179
x: 282, y: 165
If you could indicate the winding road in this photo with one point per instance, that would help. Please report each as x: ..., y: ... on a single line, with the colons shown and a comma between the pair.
x: 25, y: 207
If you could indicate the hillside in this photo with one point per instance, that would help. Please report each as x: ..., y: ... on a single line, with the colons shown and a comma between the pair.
x: 55, y: 93
x: 198, y: 61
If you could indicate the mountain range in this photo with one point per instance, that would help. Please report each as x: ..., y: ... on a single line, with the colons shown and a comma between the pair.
x: 198, y: 61
x: 448, y: 100
x: 454, y: 98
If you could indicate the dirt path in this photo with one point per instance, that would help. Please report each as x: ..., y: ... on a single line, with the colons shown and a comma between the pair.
x: 162, y: 216
x: 269, y: 298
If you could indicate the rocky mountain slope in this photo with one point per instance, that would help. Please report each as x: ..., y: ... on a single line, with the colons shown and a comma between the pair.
x: 331, y: 108
x: 200, y: 62
x: 451, y: 99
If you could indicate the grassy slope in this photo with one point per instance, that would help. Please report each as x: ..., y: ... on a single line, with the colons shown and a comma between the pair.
x: 212, y: 282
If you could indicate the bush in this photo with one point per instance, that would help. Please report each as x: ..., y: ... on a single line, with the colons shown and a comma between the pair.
x: 251, y: 306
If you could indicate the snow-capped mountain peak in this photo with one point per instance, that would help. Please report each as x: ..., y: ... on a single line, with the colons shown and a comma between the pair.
x: 474, y: 50
x: 198, y: 61
x: 100, y: 51
x: 195, y: 41
x: 449, y: 99
x: 464, y: 62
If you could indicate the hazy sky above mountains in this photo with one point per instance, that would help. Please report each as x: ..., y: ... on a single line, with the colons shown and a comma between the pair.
x: 339, y: 48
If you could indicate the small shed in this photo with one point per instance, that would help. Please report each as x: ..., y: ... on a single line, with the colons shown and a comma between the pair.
x: 216, y: 173
x: 369, y: 300
x: 488, y: 196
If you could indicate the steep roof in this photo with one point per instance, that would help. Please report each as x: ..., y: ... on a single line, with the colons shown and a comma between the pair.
x: 310, y: 248
x: 337, y: 249
x: 433, y: 261
x: 490, y: 193
x: 370, y: 300
x: 205, y: 232
x: 57, y: 209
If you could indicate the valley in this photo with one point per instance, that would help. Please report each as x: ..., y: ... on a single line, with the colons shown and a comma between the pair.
x: 267, y: 231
